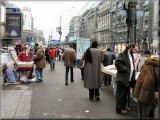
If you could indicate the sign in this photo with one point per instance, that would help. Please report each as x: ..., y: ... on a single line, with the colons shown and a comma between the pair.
x: 14, y: 25
x: 82, y: 45
x: 11, y: 10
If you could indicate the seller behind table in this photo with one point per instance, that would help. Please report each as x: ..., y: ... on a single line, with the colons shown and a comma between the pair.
x: 25, y: 56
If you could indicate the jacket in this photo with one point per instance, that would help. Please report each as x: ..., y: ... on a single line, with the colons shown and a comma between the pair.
x: 92, y: 71
x: 148, y: 81
x: 40, y: 59
x: 23, y: 57
x: 52, y: 53
x: 69, y: 57
x: 123, y: 66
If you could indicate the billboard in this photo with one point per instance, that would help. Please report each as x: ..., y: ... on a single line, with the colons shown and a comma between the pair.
x: 82, y: 45
x: 27, y: 20
x: 14, y: 25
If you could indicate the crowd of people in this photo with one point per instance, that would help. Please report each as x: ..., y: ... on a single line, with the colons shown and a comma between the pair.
x: 145, y: 89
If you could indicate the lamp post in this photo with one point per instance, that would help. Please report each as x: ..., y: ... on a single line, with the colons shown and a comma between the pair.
x: 60, y: 27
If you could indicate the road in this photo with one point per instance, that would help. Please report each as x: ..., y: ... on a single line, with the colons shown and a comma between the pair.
x: 52, y: 99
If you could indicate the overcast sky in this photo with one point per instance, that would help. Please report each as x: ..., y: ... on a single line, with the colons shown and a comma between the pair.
x: 47, y: 14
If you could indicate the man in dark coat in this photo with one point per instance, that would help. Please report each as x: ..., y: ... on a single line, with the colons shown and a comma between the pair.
x: 125, y: 77
x: 108, y: 60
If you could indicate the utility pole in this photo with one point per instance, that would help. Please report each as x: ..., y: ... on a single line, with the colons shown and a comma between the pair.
x: 131, y: 22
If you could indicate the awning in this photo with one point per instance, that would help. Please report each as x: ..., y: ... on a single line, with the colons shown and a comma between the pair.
x: 55, y: 42
x: 72, y: 42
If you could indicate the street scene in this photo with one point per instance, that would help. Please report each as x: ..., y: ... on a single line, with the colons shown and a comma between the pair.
x: 80, y: 59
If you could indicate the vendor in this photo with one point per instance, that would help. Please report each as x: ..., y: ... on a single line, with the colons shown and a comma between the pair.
x: 24, y: 55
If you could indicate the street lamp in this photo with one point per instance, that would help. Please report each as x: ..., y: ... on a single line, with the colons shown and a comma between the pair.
x: 60, y: 27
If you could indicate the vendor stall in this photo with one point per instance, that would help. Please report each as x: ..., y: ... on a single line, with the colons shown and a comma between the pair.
x: 22, y: 66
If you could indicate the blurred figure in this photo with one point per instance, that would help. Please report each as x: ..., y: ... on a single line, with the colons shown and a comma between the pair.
x: 125, y: 77
x: 92, y: 71
x: 146, y: 89
x: 47, y: 54
x: 108, y: 60
x: 36, y: 48
x: 24, y: 55
x: 69, y: 57
x: 147, y: 54
x: 40, y: 63
x: 52, y: 57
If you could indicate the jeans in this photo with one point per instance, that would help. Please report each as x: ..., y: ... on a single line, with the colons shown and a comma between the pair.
x: 66, y: 76
x: 39, y: 73
x: 52, y: 63
x: 94, y: 93
x: 121, y: 97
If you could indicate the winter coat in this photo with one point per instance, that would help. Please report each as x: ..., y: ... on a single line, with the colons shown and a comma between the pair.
x: 92, y: 71
x: 148, y: 81
x: 52, y: 53
x: 40, y: 59
x: 108, y: 58
x: 24, y: 57
x: 123, y: 66
x: 69, y: 57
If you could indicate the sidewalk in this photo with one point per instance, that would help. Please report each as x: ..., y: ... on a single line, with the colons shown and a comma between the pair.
x: 16, y: 103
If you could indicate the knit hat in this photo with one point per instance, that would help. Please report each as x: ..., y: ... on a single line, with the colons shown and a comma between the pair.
x: 147, y: 52
x: 94, y: 43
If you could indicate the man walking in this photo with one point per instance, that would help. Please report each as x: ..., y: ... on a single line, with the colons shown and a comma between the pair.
x: 52, y: 54
x: 92, y: 71
x: 108, y: 60
x: 125, y: 77
x: 69, y: 57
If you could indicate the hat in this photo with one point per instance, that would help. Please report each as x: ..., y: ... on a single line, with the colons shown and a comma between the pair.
x: 147, y: 52
x: 94, y: 43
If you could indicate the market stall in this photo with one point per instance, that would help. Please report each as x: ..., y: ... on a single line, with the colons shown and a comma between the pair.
x: 22, y: 66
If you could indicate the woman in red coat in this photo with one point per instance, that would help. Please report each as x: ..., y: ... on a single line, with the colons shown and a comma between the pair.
x: 24, y: 55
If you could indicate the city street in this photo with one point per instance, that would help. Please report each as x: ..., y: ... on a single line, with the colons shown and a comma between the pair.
x: 52, y: 99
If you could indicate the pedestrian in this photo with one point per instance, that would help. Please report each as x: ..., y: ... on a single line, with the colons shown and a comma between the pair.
x: 47, y: 54
x: 92, y: 71
x: 69, y: 57
x: 81, y: 66
x: 154, y: 103
x: 36, y: 48
x: 147, y: 85
x: 40, y: 63
x: 125, y: 77
x: 24, y: 55
x: 52, y: 57
x: 108, y: 60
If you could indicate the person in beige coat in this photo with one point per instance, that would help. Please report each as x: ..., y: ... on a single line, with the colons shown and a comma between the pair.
x: 69, y: 57
x: 147, y: 86
x: 40, y: 63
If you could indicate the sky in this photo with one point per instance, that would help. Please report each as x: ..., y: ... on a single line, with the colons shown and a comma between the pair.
x: 47, y: 14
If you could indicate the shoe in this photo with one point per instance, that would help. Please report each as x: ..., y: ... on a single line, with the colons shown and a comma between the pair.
x: 128, y: 109
x: 37, y: 81
x: 72, y: 80
x: 104, y: 84
x: 91, y: 99
x: 123, y: 112
x: 66, y: 83
x: 97, y: 98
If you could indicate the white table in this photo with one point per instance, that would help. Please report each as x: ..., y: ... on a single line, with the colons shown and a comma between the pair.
x: 111, y: 70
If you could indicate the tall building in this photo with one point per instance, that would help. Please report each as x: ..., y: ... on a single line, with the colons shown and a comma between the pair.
x: 27, y: 25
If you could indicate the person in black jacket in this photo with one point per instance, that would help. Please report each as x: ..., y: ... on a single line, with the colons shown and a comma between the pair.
x: 125, y: 77
x: 108, y: 60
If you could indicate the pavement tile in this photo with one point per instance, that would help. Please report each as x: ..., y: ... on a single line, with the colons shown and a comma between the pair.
x: 25, y: 99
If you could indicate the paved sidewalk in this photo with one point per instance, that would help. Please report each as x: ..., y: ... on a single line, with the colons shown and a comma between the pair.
x: 16, y: 103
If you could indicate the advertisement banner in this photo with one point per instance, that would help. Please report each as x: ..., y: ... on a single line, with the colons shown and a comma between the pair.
x: 82, y: 45
x: 14, y: 25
